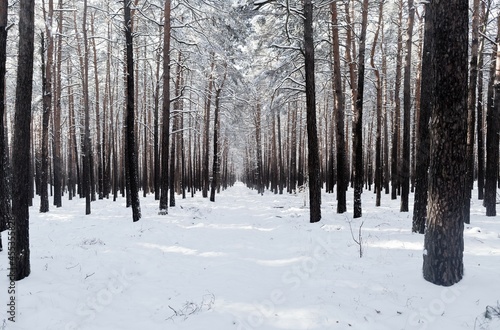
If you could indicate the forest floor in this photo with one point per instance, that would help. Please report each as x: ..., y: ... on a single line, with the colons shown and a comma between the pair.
x: 245, y: 262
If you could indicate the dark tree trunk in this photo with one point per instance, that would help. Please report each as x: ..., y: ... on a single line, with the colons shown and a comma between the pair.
x: 480, y: 108
x: 342, y: 173
x: 156, y: 134
x: 405, y: 168
x: 471, y: 107
x: 56, y: 144
x: 165, y: 111
x: 86, y: 152
x: 423, y: 142
x: 444, y: 244
x: 5, y: 209
x: 47, y: 101
x: 313, y: 162
x: 378, y: 88
x: 492, y: 124
x: 395, y: 171
x: 20, y: 261
x: 132, y: 181
x: 358, y: 116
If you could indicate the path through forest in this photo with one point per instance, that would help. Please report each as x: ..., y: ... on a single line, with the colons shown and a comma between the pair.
x: 244, y: 262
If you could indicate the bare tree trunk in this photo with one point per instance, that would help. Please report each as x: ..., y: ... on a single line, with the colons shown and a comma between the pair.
x: 395, y: 171
x: 444, y: 242
x: 378, y: 87
x: 358, y: 116
x: 86, y: 140
x: 423, y: 141
x: 342, y: 172
x: 165, y: 110
x: 100, y: 181
x: 5, y: 209
x: 47, y: 103
x: 493, y: 106
x: 130, y: 134
x: 471, y: 106
x: 56, y: 144
x: 20, y: 261
x: 313, y: 160
x: 480, y: 118
x: 405, y: 168
x: 216, y: 160
x: 206, y: 131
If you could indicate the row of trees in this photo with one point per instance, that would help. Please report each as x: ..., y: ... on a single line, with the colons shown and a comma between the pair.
x: 175, y: 97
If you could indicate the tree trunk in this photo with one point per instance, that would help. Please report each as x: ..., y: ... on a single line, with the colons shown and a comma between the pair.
x: 378, y: 87
x: 56, y: 143
x: 479, y: 107
x: 86, y: 152
x: 471, y: 106
x: 47, y: 102
x: 5, y: 209
x: 358, y: 116
x: 492, y: 124
x: 132, y: 180
x: 444, y: 243
x: 216, y: 160
x: 20, y: 261
x: 405, y: 168
x: 313, y: 163
x: 395, y: 170
x: 165, y: 111
x: 423, y: 141
x: 342, y: 173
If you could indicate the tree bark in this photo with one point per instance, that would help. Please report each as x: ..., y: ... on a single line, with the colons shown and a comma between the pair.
x: 342, y: 173
x: 492, y: 124
x: 132, y: 179
x: 165, y: 110
x: 395, y: 170
x: 20, y: 259
x: 423, y: 141
x: 405, y: 168
x: 358, y: 116
x: 5, y: 209
x: 313, y: 163
x: 378, y: 87
x: 444, y: 244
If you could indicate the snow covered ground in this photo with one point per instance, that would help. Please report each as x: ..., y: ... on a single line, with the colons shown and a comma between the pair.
x: 244, y: 262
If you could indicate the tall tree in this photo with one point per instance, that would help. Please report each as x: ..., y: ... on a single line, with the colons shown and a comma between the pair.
x: 56, y: 144
x: 20, y: 261
x: 86, y: 152
x: 313, y: 162
x: 444, y: 244
x: 342, y: 173
x: 5, y: 211
x: 492, y: 139
x: 378, y: 87
x: 358, y: 115
x: 132, y: 180
x: 47, y: 55
x: 423, y: 141
x: 216, y: 166
x: 395, y: 170
x: 165, y: 110
x: 471, y: 106
x: 405, y: 168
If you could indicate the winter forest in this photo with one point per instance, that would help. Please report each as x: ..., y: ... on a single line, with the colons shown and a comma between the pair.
x: 249, y: 164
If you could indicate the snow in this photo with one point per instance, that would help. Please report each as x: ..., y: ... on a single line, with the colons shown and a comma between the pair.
x: 244, y: 262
